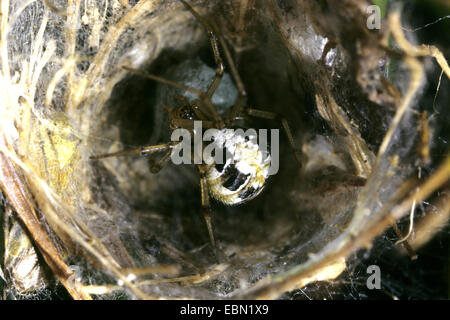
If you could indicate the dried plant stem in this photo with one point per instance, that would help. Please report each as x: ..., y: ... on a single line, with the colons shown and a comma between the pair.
x: 433, y: 221
x: 98, y: 64
x: 19, y: 197
x: 4, y: 6
x: 91, y: 243
x: 73, y: 7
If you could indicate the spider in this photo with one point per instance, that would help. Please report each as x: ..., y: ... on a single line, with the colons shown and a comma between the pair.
x: 234, y: 182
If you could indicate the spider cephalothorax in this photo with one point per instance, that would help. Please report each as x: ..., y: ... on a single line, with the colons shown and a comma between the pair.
x: 244, y: 172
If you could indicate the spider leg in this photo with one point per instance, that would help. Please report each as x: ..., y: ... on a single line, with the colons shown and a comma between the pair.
x: 220, y: 67
x: 202, y: 95
x: 189, y: 124
x: 275, y: 116
x: 242, y: 94
x: 165, y: 81
x: 143, y: 151
x: 213, y: 39
x: 196, y: 107
x: 215, y: 48
x: 206, y: 208
x: 156, y: 167
x: 213, y: 36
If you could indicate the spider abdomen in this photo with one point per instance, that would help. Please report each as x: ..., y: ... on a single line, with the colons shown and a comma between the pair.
x: 243, y: 173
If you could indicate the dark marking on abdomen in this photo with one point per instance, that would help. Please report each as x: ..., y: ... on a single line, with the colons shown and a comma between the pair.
x: 219, y: 167
x: 233, y: 179
x: 250, y: 192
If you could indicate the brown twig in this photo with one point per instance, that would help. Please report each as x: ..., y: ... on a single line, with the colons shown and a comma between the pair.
x: 19, y: 197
